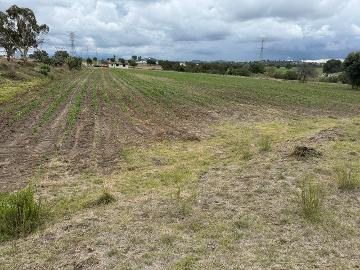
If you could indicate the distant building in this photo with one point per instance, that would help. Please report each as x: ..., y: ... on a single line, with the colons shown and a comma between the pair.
x: 118, y: 65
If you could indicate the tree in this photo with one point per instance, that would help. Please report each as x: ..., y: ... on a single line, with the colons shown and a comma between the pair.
x: 151, y: 61
x: 40, y: 56
x: 332, y: 66
x: 352, y: 68
x: 60, y: 57
x: 89, y: 61
x: 22, y: 29
x: 132, y: 63
x: 95, y: 59
x: 305, y: 72
x: 74, y: 62
x: 257, y: 67
x: 122, y: 61
x: 6, y: 36
x: 134, y: 57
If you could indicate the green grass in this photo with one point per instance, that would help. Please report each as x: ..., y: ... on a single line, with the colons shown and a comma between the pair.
x: 20, y: 214
x: 220, y: 90
x: 310, y: 199
x: 347, y: 178
x: 75, y: 107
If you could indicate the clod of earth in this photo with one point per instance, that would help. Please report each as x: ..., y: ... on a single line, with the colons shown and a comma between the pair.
x: 304, y: 152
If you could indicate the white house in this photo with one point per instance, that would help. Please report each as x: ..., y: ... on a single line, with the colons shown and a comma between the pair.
x: 118, y: 65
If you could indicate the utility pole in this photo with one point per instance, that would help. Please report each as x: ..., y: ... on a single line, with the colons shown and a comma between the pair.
x: 72, y: 43
x: 262, y: 49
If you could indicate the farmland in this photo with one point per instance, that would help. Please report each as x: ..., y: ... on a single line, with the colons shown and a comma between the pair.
x: 201, y: 169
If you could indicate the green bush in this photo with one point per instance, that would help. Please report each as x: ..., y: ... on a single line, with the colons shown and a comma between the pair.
x: 74, y: 63
x: 44, y: 69
x: 20, y: 214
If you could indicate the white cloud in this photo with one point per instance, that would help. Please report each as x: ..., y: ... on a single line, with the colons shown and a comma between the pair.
x: 206, y: 29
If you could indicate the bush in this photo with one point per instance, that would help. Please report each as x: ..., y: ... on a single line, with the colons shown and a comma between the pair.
x: 352, y: 68
x: 310, y: 199
x: 240, y: 71
x: 74, y: 63
x: 44, y: 69
x: 257, y: 67
x: 291, y: 75
x: 347, y: 178
x: 20, y: 214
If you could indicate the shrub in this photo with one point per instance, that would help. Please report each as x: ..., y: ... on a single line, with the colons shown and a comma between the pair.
x: 74, y: 63
x: 44, y: 69
x: 291, y: 75
x: 20, y: 214
x: 310, y: 199
x: 347, y: 178
x: 240, y: 71
x: 257, y: 67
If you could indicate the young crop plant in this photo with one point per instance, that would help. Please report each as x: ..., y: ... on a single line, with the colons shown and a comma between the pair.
x: 310, y: 199
x: 347, y: 178
x: 20, y: 214
x: 75, y: 108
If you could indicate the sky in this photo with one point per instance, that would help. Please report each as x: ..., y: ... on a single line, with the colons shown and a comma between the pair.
x: 201, y: 29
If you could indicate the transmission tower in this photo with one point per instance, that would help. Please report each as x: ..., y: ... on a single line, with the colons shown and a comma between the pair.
x: 262, y: 49
x: 72, y: 43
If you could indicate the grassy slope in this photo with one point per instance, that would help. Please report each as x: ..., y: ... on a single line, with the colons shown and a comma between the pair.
x: 215, y: 203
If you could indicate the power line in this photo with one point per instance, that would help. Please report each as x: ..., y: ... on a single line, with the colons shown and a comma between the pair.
x: 262, y: 49
x: 72, y: 43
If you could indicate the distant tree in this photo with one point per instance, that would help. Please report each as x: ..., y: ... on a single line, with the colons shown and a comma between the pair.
x: 332, y: 66
x: 60, y: 58
x: 257, y: 67
x: 134, y: 57
x: 306, y: 71
x: 288, y: 66
x: 95, y: 59
x: 89, y: 61
x: 352, y: 68
x: 132, y: 63
x: 113, y: 59
x: 151, y: 61
x: 40, y: 56
x: 21, y: 29
x: 122, y: 61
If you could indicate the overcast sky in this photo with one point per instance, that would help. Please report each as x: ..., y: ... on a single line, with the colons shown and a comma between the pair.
x: 202, y: 29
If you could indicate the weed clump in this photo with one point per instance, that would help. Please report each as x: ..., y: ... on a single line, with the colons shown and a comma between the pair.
x: 265, y: 144
x: 20, y: 214
x: 347, y: 178
x: 103, y: 199
x: 310, y: 199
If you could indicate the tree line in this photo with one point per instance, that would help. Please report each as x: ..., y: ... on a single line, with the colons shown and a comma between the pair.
x: 334, y: 70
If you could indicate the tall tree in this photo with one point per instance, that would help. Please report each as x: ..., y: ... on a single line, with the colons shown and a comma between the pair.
x: 352, y: 68
x: 26, y: 33
x: 7, y: 35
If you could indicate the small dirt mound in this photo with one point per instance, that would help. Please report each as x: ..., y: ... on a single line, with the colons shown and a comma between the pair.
x: 304, y: 152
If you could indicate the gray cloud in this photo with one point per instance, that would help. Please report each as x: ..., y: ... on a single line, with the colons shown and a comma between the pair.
x: 205, y: 29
